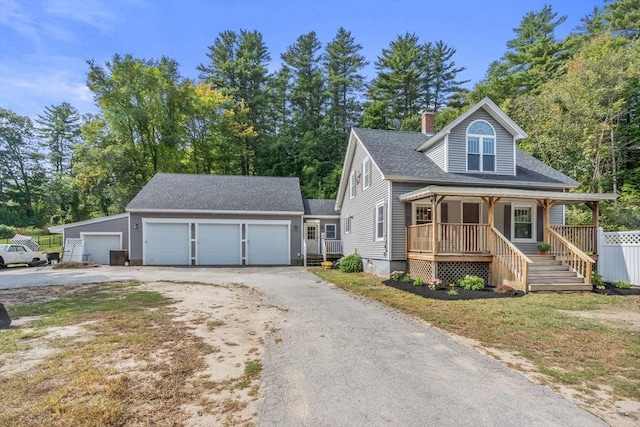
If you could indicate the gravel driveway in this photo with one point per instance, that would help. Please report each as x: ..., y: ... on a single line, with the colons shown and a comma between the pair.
x: 340, y: 360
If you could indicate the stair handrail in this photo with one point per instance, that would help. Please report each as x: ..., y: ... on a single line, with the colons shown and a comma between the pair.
x: 570, y: 254
x: 508, y: 256
x: 304, y: 252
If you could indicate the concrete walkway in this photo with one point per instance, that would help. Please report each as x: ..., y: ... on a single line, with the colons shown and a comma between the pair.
x: 340, y: 360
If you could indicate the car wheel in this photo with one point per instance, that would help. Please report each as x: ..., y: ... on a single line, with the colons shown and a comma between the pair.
x: 34, y: 262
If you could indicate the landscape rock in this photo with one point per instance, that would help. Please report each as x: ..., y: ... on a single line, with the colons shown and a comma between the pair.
x: 5, y: 320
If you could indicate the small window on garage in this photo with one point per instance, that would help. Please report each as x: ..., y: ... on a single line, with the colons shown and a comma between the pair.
x: 330, y: 231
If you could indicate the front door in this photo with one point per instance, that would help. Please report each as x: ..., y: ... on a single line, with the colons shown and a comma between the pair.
x: 472, y: 239
x: 312, y: 237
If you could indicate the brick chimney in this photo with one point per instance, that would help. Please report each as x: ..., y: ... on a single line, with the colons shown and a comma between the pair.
x: 429, y: 122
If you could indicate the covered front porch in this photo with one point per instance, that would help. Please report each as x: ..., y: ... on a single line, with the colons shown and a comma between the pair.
x: 493, y: 233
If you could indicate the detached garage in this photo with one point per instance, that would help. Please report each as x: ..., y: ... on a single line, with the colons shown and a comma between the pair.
x: 92, y: 240
x: 208, y: 220
x: 179, y: 219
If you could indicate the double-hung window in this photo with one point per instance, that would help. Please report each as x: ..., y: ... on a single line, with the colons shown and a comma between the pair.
x: 481, y: 147
x: 330, y: 231
x: 352, y: 185
x: 347, y: 224
x: 366, y: 173
x: 379, y: 221
x: 523, y: 222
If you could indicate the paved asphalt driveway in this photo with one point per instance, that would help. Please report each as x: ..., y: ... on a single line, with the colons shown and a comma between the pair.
x: 339, y: 360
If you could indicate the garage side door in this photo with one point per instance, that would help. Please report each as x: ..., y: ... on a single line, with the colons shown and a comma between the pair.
x: 268, y: 244
x: 219, y: 244
x: 166, y: 244
x: 97, y: 246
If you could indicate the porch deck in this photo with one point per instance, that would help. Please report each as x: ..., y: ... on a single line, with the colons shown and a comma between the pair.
x: 456, y: 249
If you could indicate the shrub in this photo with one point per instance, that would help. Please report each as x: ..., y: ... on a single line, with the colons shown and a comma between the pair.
x: 351, y: 264
x: 452, y: 292
x: 397, y: 275
x: 471, y: 283
x: 6, y: 231
x: 623, y: 285
x: 418, y: 282
x: 406, y: 278
x: 596, y: 280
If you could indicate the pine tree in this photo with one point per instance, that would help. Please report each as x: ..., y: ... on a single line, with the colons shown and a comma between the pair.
x: 59, y: 130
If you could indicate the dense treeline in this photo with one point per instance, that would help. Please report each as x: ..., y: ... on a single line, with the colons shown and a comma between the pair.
x: 578, y: 98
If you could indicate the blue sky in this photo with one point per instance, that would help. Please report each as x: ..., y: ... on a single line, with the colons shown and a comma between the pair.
x: 44, y: 44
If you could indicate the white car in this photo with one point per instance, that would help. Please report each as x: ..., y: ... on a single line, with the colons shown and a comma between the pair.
x: 20, y: 254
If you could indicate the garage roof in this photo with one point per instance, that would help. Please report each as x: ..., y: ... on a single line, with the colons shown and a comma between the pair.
x: 167, y: 192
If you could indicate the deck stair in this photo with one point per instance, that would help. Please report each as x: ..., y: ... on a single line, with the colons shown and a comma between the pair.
x: 314, y: 260
x: 548, y: 274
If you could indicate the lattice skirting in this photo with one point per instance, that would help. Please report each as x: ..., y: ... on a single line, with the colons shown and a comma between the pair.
x: 420, y: 268
x: 450, y: 272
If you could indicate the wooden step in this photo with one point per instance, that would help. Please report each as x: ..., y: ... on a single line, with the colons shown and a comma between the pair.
x: 537, y: 287
x: 556, y: 279
x: 564, y: 273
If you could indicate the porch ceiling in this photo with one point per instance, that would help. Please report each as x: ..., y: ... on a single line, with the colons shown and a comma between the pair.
x: 507, y: 193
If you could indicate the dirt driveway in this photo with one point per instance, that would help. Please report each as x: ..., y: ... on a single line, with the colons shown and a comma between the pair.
x: 331, y: 358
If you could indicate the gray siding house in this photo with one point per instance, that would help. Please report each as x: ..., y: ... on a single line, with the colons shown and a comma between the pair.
x: 464, y: 200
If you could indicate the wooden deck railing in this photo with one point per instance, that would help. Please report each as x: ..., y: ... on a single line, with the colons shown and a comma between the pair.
x: 570, y: 254
x: 582, y: 236
x: 420, y: 238
x: 509, y: 265
x: 462, y: 238
x: 452, y: 238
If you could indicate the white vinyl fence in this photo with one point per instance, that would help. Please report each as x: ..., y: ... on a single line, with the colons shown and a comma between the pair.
x: 619, y: 256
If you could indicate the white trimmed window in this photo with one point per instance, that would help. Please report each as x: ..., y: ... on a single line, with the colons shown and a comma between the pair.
x: 347, y: 224
x: 352, y: 185
x: 330, y: 231
x: 481, y: 147
x: 523, y: 222
x: 423, y: 214
x: 366, y: 173
x: 380, y: 221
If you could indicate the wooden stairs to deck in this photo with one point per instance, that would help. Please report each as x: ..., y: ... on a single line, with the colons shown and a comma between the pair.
x: 548, y: 274
x: 314, y: 260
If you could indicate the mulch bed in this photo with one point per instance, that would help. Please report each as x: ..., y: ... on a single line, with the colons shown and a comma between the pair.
x: 610, y: 289
x: 441, y: 292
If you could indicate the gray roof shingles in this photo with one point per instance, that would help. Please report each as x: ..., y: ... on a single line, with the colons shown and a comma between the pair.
x: 178, y: 192
x: 319, y: 207
x: 395, y: 154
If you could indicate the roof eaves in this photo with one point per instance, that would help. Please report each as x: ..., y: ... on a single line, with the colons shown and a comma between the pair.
x: 60, y: 228
x: 505, y: 184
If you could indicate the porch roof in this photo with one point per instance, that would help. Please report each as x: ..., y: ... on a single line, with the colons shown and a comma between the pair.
x: 506, y: 193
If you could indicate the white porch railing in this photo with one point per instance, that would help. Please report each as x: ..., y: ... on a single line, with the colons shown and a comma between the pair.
x: 331, y: 247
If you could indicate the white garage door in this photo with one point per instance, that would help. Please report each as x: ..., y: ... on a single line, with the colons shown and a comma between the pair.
x: 166, y: 244
x: 97, y: 246
x: 268, y: 244
x: 219, y: 244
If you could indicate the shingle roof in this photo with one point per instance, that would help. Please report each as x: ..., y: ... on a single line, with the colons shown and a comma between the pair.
x: 319, y: 207
x: 394, y: 152
x: 178, y: 192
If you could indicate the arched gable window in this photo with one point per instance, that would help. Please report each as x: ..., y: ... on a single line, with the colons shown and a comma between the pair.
x: 481, y: 147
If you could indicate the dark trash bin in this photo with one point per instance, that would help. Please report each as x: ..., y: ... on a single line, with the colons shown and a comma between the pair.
x: 118, y: 257
x: 53, y: 256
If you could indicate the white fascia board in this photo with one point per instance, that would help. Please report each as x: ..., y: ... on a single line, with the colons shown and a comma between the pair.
x: 348, y: 160
x: 218, y: 212
x: 507, y: 193
x: 60, y: 228
x: 336, y: 216
x: 504, y: 184
x: 214, y: 221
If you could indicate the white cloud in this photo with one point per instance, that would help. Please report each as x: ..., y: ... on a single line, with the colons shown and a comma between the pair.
x: 95, y: 13
x: 14, y: 17
x: 29, y: 87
